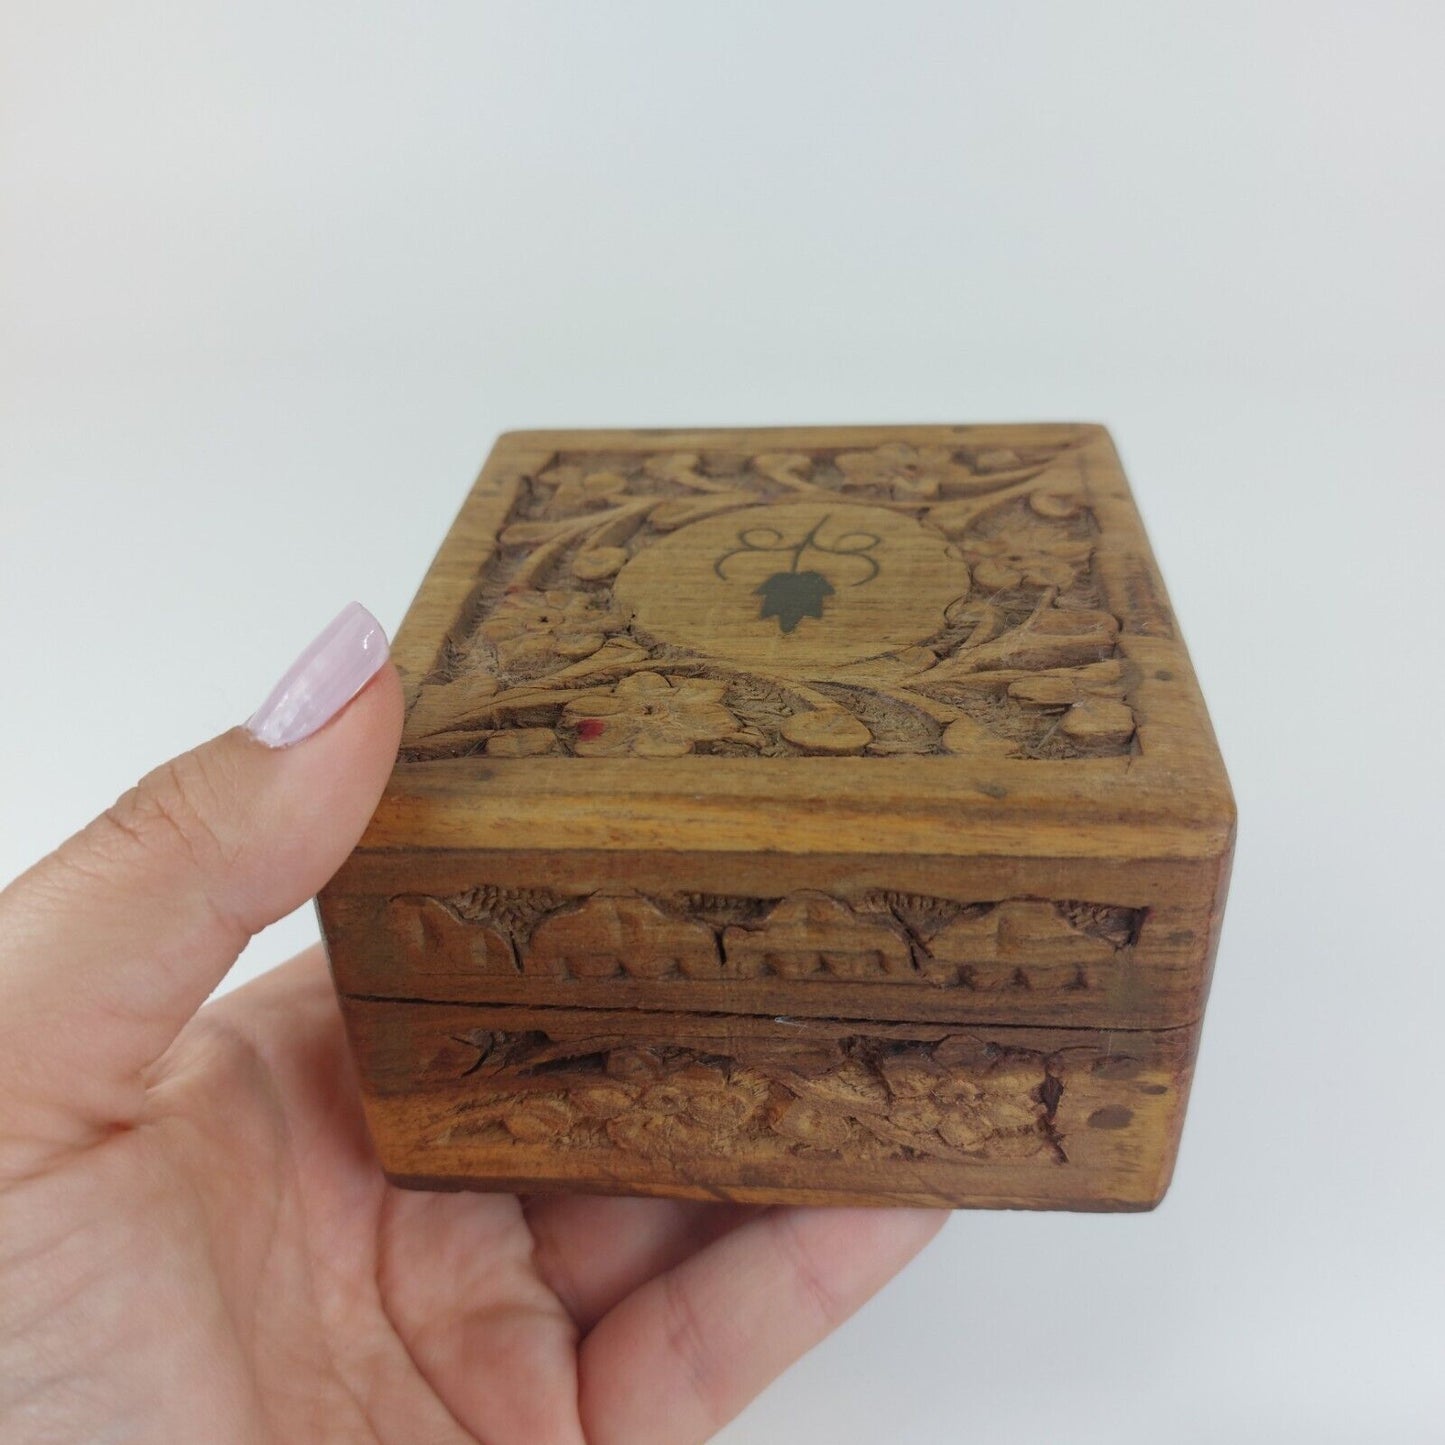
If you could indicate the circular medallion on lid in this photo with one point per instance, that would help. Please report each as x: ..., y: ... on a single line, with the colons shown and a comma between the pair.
x: 801, y: 583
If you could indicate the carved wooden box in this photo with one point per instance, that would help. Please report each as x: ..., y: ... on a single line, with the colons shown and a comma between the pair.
x: 801, y: 815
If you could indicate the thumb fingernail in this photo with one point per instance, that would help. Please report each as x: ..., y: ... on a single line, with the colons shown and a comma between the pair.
x: 347, y: 654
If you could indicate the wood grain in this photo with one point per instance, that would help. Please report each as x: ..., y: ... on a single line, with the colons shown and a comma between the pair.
x: 850, y: 729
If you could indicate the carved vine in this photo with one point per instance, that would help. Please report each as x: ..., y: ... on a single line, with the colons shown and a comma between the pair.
x: 882, y: 937
x: 546, y: 661
x: 859, y: 1097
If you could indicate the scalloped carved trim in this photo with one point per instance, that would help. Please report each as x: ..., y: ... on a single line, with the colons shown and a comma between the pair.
x: 878, y: 937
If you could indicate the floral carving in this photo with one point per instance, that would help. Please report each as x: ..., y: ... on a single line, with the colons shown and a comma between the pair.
x: 1028, y: 556
x: 536, y: 627
x: 864, y: 1098
x: 927, y: 473
x: 577, y: 490
x: 548, y: 660
x: 1092, y: 698
x: 908, y: 473
x: 650, y: 716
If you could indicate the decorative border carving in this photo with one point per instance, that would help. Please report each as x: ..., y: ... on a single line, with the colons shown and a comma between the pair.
x: 879, y: 937
x: 544, y: 660
x: 860, y: 1098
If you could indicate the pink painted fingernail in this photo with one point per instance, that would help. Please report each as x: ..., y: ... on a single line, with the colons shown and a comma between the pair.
x: 349, y: 652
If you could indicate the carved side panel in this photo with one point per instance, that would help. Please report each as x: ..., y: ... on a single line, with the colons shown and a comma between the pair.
x: 770, y: 1109
x: 885, y: 602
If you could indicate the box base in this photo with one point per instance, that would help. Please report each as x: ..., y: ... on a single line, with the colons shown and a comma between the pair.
x: 770, y: 1111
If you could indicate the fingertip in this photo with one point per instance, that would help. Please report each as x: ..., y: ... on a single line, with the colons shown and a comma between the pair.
x: 376, y: 710
x: 313, y: 799
x: 329, y: 673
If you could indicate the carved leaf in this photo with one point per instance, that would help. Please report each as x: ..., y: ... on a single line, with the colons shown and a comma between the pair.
x: 526, y: 534
x: 1058, y: 502
x: 602, y: 1101
x: 827, y: 731
x: 683, y: 467
x: 851, y: 1087
x: 1049, y: 690
x: 596, y: 563
x: 522, y: 743
x: 635, y: 1065
x: 968, y: 738
x: 539, y: 1120
x: 449, y: 706
x: 1055, y: 638
x: 996, y: 459
x: 789, y: 469
x: 1099, y: 720
x: 911, y: 1075
x: 677, y: 512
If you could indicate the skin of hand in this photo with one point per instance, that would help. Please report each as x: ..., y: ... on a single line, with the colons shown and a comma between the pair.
x: 196, y: 1242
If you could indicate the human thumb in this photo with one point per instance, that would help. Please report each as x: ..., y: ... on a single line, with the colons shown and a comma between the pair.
x: 110, y: 944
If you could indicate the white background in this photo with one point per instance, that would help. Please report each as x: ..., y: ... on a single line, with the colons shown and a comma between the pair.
x: 275, y: 274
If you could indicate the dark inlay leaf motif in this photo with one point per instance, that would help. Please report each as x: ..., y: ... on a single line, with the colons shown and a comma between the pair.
x: 792, y: 596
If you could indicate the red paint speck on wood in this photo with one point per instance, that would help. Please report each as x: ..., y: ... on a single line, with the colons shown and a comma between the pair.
x: 589, y: 728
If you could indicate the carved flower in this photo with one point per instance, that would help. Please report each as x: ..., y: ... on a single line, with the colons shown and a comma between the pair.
x: 1094, y: 699
x: 910, y: 473
x: 1031, y: 557
x: 686, y: 1108
x: 540, y: 1119
x: 650, y: 716
x: 538, y: 626
x: 580, y: 491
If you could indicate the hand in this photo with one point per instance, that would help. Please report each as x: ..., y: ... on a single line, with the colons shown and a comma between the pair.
x: 196, y: 1244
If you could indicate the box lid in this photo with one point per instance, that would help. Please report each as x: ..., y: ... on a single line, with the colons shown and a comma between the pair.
x: 808, y: 655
